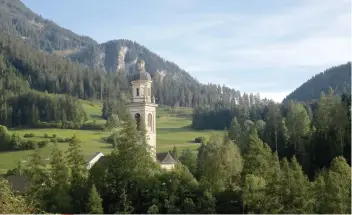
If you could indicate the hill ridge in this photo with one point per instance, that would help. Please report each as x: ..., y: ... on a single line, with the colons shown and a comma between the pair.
x: 336, y: 77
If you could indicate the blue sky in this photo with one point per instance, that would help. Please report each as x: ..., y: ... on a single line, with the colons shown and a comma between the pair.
x: 270, y: 47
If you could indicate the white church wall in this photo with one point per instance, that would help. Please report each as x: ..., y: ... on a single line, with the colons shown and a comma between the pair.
x: 167, y: 166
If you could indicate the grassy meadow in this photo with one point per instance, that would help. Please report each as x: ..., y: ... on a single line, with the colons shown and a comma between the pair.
x: 173, y: 129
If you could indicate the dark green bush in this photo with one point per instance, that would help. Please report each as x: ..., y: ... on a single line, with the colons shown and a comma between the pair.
x: 199, y: 140
x: 28, y: 135
x: 43, y: 143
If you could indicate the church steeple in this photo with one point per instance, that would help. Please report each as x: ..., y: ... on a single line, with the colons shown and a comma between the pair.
x: 143, y: 105
x: 141, y: 84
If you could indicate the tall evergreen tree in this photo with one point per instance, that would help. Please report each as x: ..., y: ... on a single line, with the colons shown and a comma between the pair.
x: 222, y: 162
x: 60, y: 199
x: 37, y: 179
x: 333, y: 188
x: 94, y: 205
x: 77, y: 165
x: 298, y: 125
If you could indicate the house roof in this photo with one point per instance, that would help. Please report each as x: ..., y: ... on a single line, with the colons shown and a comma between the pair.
x: 19, y: 183
x: 101, y: 160
x: 94, y: 155
x: 165, y: 158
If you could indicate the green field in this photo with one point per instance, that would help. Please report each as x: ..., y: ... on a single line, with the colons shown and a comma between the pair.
x: 172, y: 130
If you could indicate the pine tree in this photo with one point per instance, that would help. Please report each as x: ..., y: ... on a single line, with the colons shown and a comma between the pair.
x: 273, y: 188
x: 77, y: 165
x: 340, y: 123
x: 35, y: 115
x: 37, y: 179
x: 189, y: 159
x: 200, y: 164
x: 260, y: 126
x: 154, y: 209
x: 61, y: 201
x: 222, y: 161
x: 125, y: 204
x: 206, y: 203
x: 273, y: 120
x: 298, y: 124
x: 257, y: 159
x: 261, y: 177
x: 254, y: 193
x: 298, y: 196
x: 94, y: 205
x: 174, y: 153
x: 133, y: 151
x: 333, y: 188
x: 235, y: 131
x: 75, y: 158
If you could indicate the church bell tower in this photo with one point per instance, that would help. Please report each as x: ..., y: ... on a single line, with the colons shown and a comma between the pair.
x: 143, y: 105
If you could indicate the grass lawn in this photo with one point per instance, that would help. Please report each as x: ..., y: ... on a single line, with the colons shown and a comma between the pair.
x: 171, y: 131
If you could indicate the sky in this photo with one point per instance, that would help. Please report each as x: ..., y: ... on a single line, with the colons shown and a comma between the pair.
x: 270, y: 47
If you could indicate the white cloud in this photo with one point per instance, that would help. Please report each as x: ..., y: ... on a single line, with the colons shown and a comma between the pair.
x: 294, y: 42
x: 276, y: 96
x: 316, y: 51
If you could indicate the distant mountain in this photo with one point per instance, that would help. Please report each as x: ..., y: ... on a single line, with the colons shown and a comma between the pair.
x: 172, y: 85
x: 113, y: 56
x: 36, y: 48
x: 337, y: 77
x: 117, y: 55
x: 18, y: 20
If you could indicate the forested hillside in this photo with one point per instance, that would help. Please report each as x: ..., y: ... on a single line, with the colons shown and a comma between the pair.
x: 20, y: 21
x: 172, y: 85
x: 337, y: 77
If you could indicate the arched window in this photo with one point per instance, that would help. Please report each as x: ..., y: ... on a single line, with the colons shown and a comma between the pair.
x: 137, y: 117
x: 137, y: 92
x: 150, y: 121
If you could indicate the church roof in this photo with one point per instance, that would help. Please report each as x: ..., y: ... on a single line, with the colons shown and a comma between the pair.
x: 165, y: 158
x: 140, y: 73
x: 144, y: 76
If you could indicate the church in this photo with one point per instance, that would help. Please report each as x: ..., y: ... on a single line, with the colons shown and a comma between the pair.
x: 143, y: 107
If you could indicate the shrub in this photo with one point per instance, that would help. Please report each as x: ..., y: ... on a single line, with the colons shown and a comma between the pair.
x: 92, y: 126
x: 199, y: 140
x: 16, y: 142
x: 54, y: 135
x: 33, y: 145
x: 43, y: 143
x: 29, y: 144
x: 61, y: 140
x: 28, y: 135
x: 46, y: 135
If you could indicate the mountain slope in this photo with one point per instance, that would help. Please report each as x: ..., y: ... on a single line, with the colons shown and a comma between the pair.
x: 18, y: 20
x: 116, y: 55
x: 338, y: 78
x: 172, y: 85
